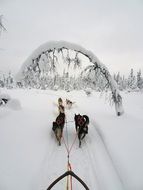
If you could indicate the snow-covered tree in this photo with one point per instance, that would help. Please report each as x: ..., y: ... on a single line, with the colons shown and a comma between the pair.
x: 139, y: 80
x: 9, y: 81
x: 118, y: 80
x: 1, y: 82
x: 132, y: 80
x: 124, y: 83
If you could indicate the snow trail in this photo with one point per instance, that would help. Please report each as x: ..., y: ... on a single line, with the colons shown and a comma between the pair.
x: 31, y: 158
x: 99, y: 157
x: 109, y: 155
x: 93, y: 155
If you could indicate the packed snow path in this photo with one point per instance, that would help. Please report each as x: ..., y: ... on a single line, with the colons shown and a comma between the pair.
x: 30, y: 157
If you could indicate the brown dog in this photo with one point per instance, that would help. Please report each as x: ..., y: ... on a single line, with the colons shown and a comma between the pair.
x: 58, y: 125
x: 60, y: 102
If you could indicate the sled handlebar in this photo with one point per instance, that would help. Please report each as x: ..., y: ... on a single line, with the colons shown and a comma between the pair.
x: 66, y: 174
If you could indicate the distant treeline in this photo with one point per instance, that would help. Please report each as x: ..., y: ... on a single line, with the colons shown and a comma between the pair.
x: 132, y: 82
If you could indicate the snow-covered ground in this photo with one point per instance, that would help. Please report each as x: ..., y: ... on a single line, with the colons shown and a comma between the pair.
x: 110, y: 157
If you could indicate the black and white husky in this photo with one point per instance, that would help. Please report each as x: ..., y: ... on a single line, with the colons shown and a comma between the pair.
x: 81, y: 125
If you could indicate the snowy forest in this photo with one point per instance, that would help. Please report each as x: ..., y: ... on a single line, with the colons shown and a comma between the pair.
x: 132, y: 82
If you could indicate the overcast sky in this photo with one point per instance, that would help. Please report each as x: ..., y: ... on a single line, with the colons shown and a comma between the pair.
x: 111, y: 29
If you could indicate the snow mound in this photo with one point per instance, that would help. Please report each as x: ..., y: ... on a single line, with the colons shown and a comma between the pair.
x: 10, y: 103
x: 14, y: 104
x: 6, y: 96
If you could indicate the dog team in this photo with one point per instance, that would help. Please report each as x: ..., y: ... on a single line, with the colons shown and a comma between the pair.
x: 81, y: 122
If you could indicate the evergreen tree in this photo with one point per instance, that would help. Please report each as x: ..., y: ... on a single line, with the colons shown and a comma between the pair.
x: 132, y: 80
x: 139, y: 80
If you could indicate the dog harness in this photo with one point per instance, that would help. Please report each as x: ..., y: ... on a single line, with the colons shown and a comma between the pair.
x: 80, y: 120
x: 60, y: 120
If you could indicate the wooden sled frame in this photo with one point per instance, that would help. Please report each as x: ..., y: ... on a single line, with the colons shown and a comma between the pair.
x: 66, y: 174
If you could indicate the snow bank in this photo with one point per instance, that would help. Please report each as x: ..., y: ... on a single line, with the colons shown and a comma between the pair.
x: 13, y: 104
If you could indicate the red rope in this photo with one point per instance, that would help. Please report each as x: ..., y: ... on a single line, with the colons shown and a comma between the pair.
x: 69, y: 149
x: 73, y: 143
x: 69, y: 179
x: 69, y: 168
x: 70, y: 176
x: 66, y: 145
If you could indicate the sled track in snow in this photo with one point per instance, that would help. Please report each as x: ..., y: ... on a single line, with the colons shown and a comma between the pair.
x: 42, y: 175
x: 109, y: 155
x: 103, y: 145
x: 94, y: 170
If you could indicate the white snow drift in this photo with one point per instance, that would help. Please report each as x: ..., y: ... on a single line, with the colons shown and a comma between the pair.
x: 111, y: 155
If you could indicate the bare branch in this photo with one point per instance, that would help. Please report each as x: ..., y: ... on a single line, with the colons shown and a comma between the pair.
x: 1, y: 24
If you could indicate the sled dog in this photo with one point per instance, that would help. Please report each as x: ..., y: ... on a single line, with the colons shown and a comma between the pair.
x: 81, y: 126
x: 58, y: 125
x: 69, y: 103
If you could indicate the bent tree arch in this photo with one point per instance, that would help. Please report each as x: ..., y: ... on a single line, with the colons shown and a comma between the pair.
x: 68, y: 66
